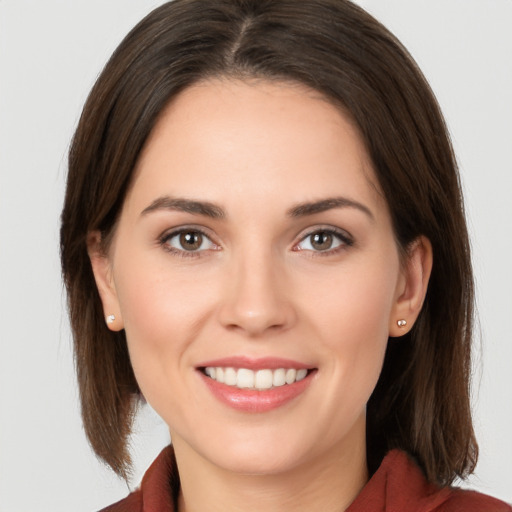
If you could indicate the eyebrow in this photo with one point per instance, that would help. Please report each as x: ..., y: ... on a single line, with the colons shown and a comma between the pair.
x: 185, y: 205
x: 216, y: 212
x: 311, y: 208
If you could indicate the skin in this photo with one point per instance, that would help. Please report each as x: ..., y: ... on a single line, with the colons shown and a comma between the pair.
x: 258, y: 287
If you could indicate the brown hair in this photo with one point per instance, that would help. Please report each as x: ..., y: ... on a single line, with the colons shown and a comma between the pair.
x: 338, y: 49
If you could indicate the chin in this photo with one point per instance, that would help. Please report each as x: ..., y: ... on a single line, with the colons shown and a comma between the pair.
x: 262, y: 465
x: 257, y: 458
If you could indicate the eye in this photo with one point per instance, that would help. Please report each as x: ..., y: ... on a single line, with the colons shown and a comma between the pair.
x: 187, y: 241
x: 324, y: 240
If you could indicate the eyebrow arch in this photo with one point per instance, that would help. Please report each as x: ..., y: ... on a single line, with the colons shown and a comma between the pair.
x: 185, y: 205
x: 304, y: 209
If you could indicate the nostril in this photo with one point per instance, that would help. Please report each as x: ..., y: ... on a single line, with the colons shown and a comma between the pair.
x: 256, y: 322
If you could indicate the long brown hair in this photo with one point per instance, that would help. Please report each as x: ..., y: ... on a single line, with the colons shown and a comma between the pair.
x: 339, y: 50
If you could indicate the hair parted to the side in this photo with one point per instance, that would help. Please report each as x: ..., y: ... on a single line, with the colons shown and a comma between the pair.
x: 339, y: 50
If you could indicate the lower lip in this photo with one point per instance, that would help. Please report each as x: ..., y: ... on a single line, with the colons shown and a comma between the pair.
x: 252, y: 400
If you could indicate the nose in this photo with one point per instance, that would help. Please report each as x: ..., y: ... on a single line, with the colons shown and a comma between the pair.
x: 257, y: 297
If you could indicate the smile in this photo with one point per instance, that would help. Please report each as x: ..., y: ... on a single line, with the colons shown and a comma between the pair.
x: 256, y: 385
x: 264, y: 379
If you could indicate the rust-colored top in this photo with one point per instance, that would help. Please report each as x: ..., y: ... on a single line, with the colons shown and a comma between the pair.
x: 397, y: 486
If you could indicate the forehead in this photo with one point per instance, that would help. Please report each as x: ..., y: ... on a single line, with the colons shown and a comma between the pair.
x: 254, y: 137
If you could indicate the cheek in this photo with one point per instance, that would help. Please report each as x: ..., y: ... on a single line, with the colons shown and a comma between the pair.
x: 353, y: 317
x: 358, y: 301
x: 162, y: 319
x: 162, y: 313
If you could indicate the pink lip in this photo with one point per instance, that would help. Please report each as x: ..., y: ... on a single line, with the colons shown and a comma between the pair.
x: 251, y: 400
x: 272, y: 363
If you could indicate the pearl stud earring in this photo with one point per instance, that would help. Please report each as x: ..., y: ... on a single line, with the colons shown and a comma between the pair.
x: 110, y: 319
x: 402, y: 323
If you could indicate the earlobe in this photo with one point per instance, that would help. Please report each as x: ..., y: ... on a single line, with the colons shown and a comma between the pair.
x: 412, y: 287
x: 102, y: 271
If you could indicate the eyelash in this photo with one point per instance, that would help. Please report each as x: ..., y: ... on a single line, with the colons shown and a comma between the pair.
x: 342, y: 236
x: 183, y: 253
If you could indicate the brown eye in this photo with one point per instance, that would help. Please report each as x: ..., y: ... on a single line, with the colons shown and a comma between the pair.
x: 324, y: 241
x: 321, y: 241
x: 188, y: 241
x: 191, y: 240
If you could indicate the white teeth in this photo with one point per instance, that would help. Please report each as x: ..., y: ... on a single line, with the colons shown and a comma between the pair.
x: 230, y: 376
x: 290, y: 376
x: 279, y: 377
x: 301, y: 374
x: 210, y: 371
x: 263, y: 379
x: 244, y: 378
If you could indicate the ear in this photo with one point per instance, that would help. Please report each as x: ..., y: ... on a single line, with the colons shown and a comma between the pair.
x: 102, y: 270
x: 412, y: 287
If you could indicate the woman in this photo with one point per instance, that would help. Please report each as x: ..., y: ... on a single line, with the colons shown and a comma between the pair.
x: 263, y: 236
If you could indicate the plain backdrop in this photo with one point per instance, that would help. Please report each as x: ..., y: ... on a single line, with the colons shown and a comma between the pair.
x: 50, y: 54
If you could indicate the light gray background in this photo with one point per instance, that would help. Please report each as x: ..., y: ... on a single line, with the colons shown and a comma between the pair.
x: 50, y: 53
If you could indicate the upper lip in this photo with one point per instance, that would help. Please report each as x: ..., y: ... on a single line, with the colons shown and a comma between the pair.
x: 271, y: 363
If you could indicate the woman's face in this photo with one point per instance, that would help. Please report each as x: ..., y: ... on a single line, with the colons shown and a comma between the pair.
x: 254, y: 246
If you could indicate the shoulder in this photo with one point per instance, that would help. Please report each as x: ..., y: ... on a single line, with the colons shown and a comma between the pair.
x: 460, y: 500
x: 399, y: 485
x: 158, y: 490
x: 132, y: 503
x: 432, y: 498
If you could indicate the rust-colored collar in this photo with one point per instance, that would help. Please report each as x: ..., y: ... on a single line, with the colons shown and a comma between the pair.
x: 397, y: 486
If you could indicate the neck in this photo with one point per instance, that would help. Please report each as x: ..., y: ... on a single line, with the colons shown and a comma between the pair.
x: 328, y: 483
